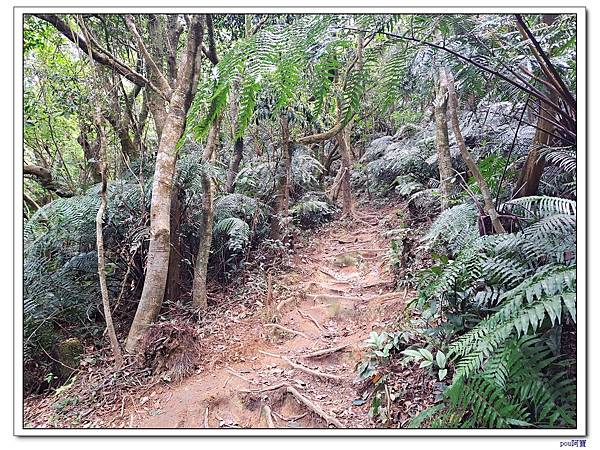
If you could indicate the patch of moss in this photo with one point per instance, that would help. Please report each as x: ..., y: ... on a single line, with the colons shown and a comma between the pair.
x: 69, y: 353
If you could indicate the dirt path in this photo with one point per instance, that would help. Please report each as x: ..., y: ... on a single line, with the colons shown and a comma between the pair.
x: 340, y: 291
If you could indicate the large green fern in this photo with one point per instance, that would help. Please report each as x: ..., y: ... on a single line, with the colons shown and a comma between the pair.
x: 522, y: 288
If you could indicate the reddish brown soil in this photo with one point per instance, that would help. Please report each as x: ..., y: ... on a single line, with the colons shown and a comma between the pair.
x: 346, y: 302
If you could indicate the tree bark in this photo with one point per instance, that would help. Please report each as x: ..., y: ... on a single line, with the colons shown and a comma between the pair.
x: 238, y: 147
x: 282, y: 198
x: 90, y: 153
x: 199, y: 291
x: 489, y: 207
x: 44, y: 176
x: 110, y: 328
x: 442, y: 144
x: 531, y: 172
x: 174, y: 271
x: 159, y: 248
x: 234, y: 165
x: 346, y: 160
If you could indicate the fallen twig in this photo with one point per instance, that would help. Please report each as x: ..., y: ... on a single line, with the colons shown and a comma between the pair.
x: 287, y: 330
x: 206, y: 424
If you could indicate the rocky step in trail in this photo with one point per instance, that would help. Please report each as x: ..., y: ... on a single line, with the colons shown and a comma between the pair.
x: 295, y: 364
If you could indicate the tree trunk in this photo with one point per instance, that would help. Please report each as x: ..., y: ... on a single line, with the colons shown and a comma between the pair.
x: 282, y: 198
x: 90, y: 153
x: 174, y: 271
x: 234, y: 164
x: 489, y: 207
x: 443, y: 146
x: 531, y: 172
x: 238, y: 147
x: 110, y: 328
x: 346, y: 156
x: 160, y: 207
x: 199, y: 293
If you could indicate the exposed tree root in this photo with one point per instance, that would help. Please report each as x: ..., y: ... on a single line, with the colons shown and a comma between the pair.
x: 314, y: 408
x: 282, y: 303
x: 265, y: 389
x: 289, y: 419
x: 287, y: 330
x: 266, y: 413
x: 329, y: 274
x: 352, y: 215
x: 335, y: 297
x: 241, y: 377
x: 325, y: 351
x: 301, y: 399
x: 316, y: 373
x: 313, y: 320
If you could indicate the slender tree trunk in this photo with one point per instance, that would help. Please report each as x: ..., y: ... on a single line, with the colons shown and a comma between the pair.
x: 199, y: 292
x: 282, y: 198
x: 345, y: 168
x: 234, y: 164
x: 160, y: 207
x: 90, y: 153
x: 488, y: 202
x: 238, y: 148
x: 110, y: 328
x: 441, y: 139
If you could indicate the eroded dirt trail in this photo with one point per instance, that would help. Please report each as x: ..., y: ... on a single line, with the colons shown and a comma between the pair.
x: 339, y: 291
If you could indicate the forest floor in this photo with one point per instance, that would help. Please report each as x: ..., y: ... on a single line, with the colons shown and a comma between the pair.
x: 335, y: 292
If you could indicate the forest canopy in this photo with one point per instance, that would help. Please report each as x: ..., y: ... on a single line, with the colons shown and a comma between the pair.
x: 198, y: 185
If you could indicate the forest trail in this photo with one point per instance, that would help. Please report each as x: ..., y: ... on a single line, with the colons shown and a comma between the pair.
x: 341, y: 290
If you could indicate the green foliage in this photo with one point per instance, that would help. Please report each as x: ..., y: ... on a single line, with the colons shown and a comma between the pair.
x: 312, y: 210
x: 491, y: 168
x: 454, y: 229
x: 406, y: 185
x: 398, y: 161
x: 511, y: 291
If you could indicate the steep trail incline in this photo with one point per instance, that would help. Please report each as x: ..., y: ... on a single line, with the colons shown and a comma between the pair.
x: 340, y: 290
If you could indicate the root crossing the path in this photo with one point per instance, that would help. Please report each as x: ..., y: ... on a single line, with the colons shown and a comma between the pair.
x: 297, y: 361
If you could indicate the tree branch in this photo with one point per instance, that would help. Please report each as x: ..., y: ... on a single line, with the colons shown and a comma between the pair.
x: 44, y: 176
x: 545, y: 63
x: 100, y: 55
x: 162, y: 81
x: 527, y: 88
